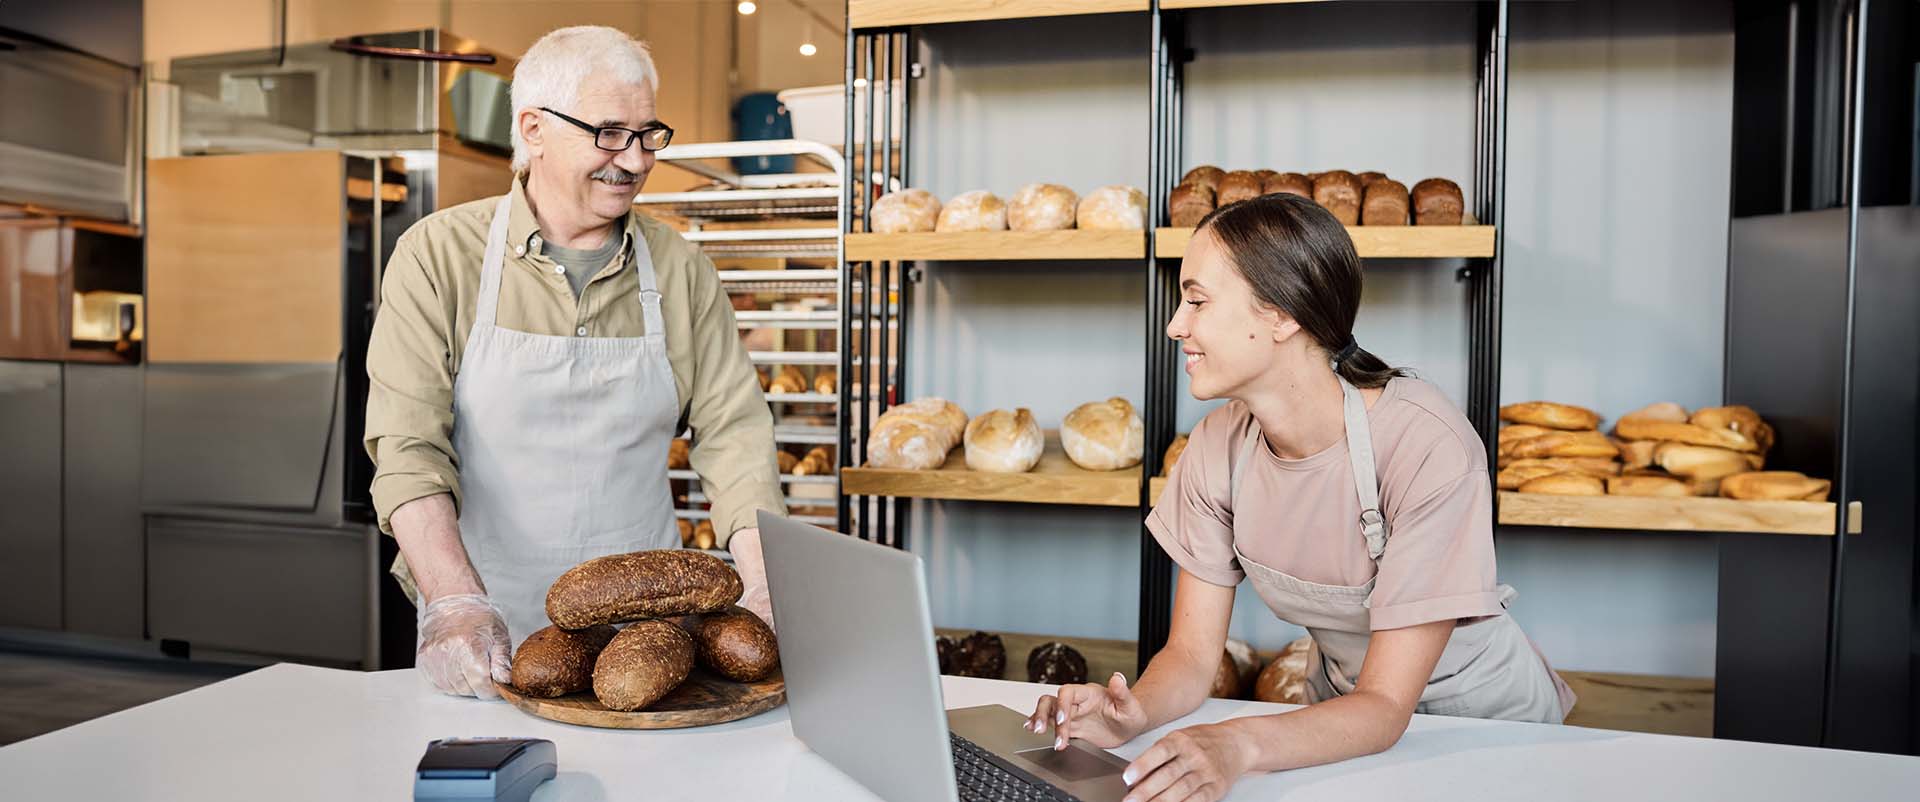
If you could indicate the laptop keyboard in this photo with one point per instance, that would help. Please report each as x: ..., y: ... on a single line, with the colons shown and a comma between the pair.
x: 983, y: 780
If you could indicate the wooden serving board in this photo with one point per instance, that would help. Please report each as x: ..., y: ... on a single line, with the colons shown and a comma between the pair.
x: 703, y: 699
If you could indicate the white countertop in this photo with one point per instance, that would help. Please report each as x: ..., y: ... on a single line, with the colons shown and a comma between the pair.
x: 300, y: 733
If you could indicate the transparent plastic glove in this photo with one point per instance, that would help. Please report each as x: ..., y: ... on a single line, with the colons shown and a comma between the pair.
x: 464, y: 647
x: 747, y: 560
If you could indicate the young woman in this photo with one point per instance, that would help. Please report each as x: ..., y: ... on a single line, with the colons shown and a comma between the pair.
x: 1354, y: 496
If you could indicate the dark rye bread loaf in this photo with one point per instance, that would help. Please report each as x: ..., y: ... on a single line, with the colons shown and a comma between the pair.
x: 555, y: 662
x: 736, y: 644
x: 641, y: 664
x: 639, y: 585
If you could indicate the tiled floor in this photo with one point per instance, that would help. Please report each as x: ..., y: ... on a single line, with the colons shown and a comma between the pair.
x: 40, y: 693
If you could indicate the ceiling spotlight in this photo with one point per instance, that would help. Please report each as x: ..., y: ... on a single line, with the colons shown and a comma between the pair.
x: 807, y: 49
x: 746, y: 7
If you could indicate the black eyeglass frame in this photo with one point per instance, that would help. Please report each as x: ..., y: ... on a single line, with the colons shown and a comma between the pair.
x: 640, y: 135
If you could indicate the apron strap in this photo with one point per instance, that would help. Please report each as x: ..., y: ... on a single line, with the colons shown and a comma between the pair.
x: 649, y: 288
x: 1366, y: 482
x: 490, y: 264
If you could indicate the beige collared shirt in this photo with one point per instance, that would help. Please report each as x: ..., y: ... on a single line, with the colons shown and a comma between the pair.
x: 428, y: 300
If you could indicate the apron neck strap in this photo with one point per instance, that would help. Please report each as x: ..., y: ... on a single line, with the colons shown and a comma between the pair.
x: 1366, y: 481
x: 649, y: 286
x: 490, y: 263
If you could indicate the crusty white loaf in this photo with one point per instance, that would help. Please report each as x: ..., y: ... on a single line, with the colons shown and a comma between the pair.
x: 1103, y: 435
x: 978, y: 210
x: 1042, y: 207
x: 1113, y: 208
x: 908, y: 211
x: 916, y: 435
x: 1004, y: 442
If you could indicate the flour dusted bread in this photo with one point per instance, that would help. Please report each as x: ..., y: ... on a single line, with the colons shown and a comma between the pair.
x: 1290, y: 183
x: 1239, y: 185
x: 916, y: 435
x: 1004, y: 442
x: 1775, y: 486
x: 1103, y: 435
x: 1551, y: 415
x: 1339, y: 192
x: 1113, y: 208
x: 908, y: 211
x: 1384, y: 203
x: 1438, y: 202
x: 978, y: 210
x: 1042, y: 207
x: 1188, y: 204
x: 1285, y: 679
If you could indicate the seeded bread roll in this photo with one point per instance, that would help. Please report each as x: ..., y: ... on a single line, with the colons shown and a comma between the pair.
x: 1550, y: 415
x: 907, y: 211
x: 1239, y: 185
x: 1384, y: 204
x: 1205, y: 175
x: 644, y: 584
x: 644, y: 662
x: 1566, y: 484
x: 1103, y: 435
x: 1113, y: 208
x: 1042, y: 207
x: 1290, y: 183
x: 1438, y: 202
x: 1338, y: 191
x: 736, y: 644
x: 980, y: 655
x: 1004, y: 442
x: 978, y: 210
x: 554, y: 662
x: 1187, y: 204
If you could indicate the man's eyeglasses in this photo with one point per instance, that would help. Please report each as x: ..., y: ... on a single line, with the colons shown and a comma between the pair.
x: 616, y: 139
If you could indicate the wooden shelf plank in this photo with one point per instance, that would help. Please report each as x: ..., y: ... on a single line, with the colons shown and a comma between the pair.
x: 1674, y: 514
x: 1155, y: 486
x: 1056, y: 480
x: 1376, y: 242
x: 998, y: 245
x: 889, y: 13
x: 1170, y: 5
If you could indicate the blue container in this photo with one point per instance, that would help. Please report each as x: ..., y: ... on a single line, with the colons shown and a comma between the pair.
x: 761, y: 115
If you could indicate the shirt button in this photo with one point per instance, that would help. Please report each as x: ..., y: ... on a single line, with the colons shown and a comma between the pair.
x: 560, y: 270
x: 519, y: 250
x: 582, y: 331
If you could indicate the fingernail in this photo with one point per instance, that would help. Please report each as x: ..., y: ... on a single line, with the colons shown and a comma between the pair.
x: 1060, y: 717
x: 1060, y: 742
x: 1127, y: 776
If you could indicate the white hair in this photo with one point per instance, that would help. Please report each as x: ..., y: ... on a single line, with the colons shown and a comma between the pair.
x: 552, y: 70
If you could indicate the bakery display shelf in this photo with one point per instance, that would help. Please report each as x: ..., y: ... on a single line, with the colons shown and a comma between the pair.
x: 1055, y: 480
x: 702, y: 515
x: 981, y: 246
x: 1371, y: 242
x: 785, y: 478
x: 803, y: 398
x: 893, y: 13
x: 1705, y: 514
x: 793, y: 357
x: 1154, y: 486
x: 1181, y: 5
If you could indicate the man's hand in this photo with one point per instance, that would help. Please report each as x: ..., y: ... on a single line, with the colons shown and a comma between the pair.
x: 745, y: 546
x: 464, y: 646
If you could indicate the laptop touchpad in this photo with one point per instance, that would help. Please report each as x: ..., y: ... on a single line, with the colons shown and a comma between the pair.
x: 1072, y: 764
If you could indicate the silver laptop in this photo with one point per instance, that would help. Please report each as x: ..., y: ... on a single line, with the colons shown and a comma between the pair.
x: 863, y: 684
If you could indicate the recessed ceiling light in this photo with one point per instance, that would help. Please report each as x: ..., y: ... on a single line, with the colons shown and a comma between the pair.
x: 807, y: 49
x: 746, y: 7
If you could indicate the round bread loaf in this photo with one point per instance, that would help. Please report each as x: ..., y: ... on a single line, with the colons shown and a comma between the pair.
x: 1285, y: 679
x: 1055, y: 663
x: 1172, y: 457
x: 1103, y: 435
x: 1438, y: 202
x: 736, y: 644
x: 978, y: 210
x: 660, y: 583
x: 1113, y: 208
x: 916, y: 435
x: 1237, y: 186
x: 1338, y: 191
x: 1042, y: 207
x: 1188, y: 204
x: 1004, y: 442
x: 907, y: 211
x: 646, y: 661
x: 555, y: 662
x: 1290, y: 183
x: 1205, y: 175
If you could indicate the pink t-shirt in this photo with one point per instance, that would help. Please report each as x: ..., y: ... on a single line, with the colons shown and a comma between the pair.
x: 1301, y: 516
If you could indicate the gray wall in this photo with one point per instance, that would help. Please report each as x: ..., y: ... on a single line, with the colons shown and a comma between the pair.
x: 1615, y: 270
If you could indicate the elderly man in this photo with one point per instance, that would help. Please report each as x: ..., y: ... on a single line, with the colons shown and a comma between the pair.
x: 534, y: 355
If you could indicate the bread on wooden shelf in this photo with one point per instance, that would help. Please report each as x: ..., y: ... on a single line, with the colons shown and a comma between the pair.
x: 1205, y: 175
x: 1550, y: 415
x: 1775, y: 486
x: 916, y: 435
x: 1188, y: 204
x: 1103, y: 435
x: 1566, y: 484
x: 1438, y: 202
x: 1290, y: 183
x: 906, y: 211
x: 1237, y: 186
x: 1384, y: 203
x: 1000, y: 441
x: 1042, y: 207
x: 1338, y: 191
x: 1644, y: 485
x: 978, y: 210
x: 1113, y: 208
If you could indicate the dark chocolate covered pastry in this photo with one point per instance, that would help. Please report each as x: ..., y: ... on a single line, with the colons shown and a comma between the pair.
x: 1055, y: 663
x: 980, y: 655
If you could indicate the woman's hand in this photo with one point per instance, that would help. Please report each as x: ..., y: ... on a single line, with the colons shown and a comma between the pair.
x: 1195, y: 764
x: 1103, y: 716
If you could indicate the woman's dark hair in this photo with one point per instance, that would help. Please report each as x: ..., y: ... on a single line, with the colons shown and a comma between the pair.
x: 1299, y: 259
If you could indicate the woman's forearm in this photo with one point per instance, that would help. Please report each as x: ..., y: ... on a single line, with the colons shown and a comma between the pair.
x: 1341, y: 728
x: 1174, y: 684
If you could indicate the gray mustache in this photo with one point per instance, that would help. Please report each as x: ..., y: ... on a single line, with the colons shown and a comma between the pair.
x: 614, y: 175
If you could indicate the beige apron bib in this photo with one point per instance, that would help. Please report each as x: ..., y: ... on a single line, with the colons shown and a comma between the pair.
x: 1489, y: 668
x: 562, y: 445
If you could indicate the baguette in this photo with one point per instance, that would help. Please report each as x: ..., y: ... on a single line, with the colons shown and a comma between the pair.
x: 737, y: 645
x: 1592, y: 466
x: 644, y: 584
x: 1521, y: 431
x: 1699, y: 462
x: 641, y: 664
x: 555, y: 662
x: 1565, y: 484
x: 1512, y: 477
x: 1691, y: 434
x: 1551, y: 415
x: 1562, y: 444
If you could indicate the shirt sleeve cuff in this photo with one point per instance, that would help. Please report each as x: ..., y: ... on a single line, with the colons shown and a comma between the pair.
x: 1224, y: 576
x: 735, y: 515
x: 394, y: 490
x: 1444, y: 608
